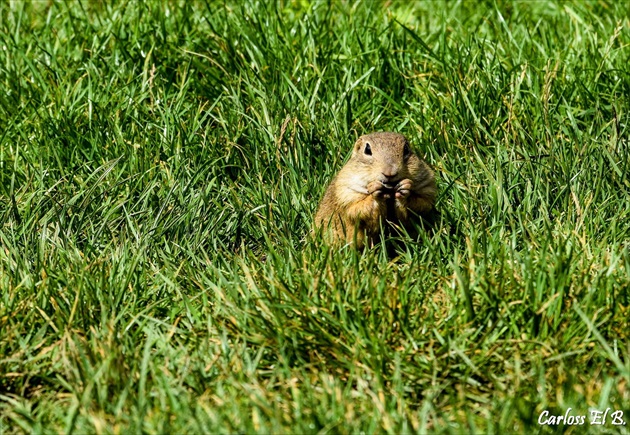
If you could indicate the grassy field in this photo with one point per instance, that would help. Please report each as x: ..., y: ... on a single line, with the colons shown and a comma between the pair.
x: 160, y: 165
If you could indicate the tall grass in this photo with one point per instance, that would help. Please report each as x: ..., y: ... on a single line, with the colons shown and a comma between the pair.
x: 160, y: 164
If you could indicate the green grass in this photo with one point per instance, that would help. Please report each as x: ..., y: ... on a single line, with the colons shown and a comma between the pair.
x: 160, y: 165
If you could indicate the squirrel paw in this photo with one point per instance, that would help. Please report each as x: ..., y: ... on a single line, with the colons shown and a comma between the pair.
x: 375, y: 188
x: 403, y: 189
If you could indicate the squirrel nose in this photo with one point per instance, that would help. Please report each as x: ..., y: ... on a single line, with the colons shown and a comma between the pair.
x: 389, y: 174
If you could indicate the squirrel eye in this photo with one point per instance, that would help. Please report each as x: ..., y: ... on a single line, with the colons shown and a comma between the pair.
x: 368, y: 149
x: 406, y: 150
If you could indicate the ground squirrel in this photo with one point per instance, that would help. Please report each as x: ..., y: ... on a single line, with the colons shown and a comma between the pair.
x: 383, y: 184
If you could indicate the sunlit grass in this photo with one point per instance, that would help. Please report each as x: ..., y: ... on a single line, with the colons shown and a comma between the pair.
x: 160, y: 165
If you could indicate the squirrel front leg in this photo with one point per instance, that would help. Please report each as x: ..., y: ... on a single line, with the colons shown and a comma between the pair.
x: 364, y: 215
x: 409, y: 199
x: 369, y: 207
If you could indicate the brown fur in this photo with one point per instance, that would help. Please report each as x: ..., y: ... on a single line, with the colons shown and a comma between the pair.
x: 392, y: 186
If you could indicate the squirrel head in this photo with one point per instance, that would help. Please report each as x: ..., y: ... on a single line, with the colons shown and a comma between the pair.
x: 387, y: 156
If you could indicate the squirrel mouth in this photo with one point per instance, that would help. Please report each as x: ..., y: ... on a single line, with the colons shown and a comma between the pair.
x: 389, y: 186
